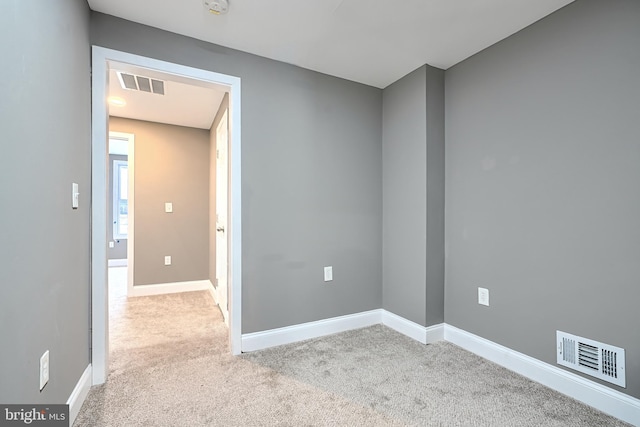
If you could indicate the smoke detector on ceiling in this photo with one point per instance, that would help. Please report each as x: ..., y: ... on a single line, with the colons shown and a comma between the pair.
x: 217, y: 7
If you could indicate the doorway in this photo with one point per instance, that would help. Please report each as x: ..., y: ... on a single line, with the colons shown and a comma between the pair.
x: 103, y: 59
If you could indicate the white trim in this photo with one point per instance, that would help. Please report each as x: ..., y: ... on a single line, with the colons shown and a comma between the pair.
x: 234, y: 222
x: 213, y: 293
x: 79, y: 394
x: 304, y: 331
x: 425, y: 335
x: 435, y: 333
x: 99, y: 292
x: 101, y: 60
x: 117, y: 263
x: 169, y: 288
x: 601, y: 397
x: 132, y: 210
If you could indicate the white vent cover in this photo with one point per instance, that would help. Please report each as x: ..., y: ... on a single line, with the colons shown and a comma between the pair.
x: 593, y: 358
x: 143, y: 84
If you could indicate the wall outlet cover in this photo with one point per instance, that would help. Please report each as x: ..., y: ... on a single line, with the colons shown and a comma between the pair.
x: 167, y: 260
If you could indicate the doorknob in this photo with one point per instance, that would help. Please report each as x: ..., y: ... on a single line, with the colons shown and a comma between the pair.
x: 220, y: 228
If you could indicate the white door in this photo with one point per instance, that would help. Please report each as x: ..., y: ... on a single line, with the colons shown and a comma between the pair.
x: 222, y: 189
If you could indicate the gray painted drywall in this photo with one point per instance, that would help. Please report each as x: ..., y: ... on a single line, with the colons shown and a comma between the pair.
x: 312, y: 176
x: 413, y: 196
x: 542, y: 184
x: 119, y: 250
x: 224, y: 105
x: 45, y: 121
x: 435, y: 195
x: 404, y: 230
x: 171, y: 165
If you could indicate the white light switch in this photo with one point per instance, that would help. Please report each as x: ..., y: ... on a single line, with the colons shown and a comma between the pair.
x: 168, y: 207
x: 74, y: 196
x: 328, y: 274
x: 112, y: 244
x: 167, y: 260
x: 483, y: 296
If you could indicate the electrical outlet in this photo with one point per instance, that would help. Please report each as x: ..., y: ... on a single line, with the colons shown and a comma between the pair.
x: 167, y: 260
x: 483, y: 296
x: 44, y: 369
x: 328, y: 273
x: 168, y: 207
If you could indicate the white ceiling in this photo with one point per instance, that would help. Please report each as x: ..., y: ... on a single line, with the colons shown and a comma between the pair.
x: 186, y: 102
x: 367, y: 41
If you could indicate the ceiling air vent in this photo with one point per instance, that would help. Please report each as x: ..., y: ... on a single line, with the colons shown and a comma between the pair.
x: 593, y: 358
x: 141, y: 83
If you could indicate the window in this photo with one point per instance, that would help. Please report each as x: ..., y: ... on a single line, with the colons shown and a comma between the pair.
x: 120, y: 199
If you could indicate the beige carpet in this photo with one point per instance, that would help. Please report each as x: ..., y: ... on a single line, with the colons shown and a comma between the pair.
x: 170, y: 366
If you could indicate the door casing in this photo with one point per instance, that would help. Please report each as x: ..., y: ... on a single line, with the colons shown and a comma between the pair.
x: 101, y: 60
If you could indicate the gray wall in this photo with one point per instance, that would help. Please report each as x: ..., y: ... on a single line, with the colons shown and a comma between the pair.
x: 413, y: 196
x: 542, y: 184
x: 45, y: 121
x: 224, y: 105
x: 119, y: 250
x: 435, y: 195
x: 171, y: 165
x: 312, y: 178
x: 404, y: 153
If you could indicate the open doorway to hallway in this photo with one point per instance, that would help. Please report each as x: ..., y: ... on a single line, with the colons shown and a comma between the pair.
x: 167, y: 217
x: 145, y: 277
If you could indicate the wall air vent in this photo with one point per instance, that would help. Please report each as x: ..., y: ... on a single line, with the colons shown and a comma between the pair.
x: 602, y: 361
x: 141, y: 83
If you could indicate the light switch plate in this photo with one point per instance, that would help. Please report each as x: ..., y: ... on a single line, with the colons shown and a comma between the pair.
x: 167, y: 260
x: 44, y: 369
x: 168, y: 207
x: 483, y: 296
x: 75, y: 196
x: 328, y: 273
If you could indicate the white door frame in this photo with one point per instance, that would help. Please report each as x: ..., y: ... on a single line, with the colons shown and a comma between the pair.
x: 101, y: 59
x: 222, y: 206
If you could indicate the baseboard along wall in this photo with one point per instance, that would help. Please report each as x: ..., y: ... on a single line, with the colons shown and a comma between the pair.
x: 79, y: 394
x: 290, y: 334
x: 589, y: 392
x: 169, y: 288
x: 117, y: 262
x: 603, y: 398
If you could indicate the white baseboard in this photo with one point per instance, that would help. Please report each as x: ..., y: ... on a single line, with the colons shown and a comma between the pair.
x: 169, y: 288
x: 117, y: 262
x: 79, y: 394
x: 589, y: 392
x: 274, y: 337
x: 601, y: 397
x: 435, y: 333
x: 212, y: 291
x: 425, y: 335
